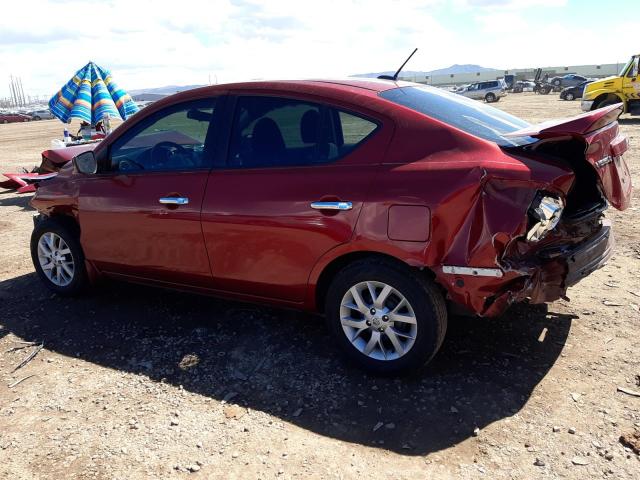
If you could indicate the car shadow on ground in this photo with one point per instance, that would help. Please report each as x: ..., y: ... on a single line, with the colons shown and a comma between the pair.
x: 629, y: 121
x: 284, y: 363
x: 21, y: 201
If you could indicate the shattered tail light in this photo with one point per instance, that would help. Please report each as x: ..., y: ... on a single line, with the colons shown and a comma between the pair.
x: 545, y: 212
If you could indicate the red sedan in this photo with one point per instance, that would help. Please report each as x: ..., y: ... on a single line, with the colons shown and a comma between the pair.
x: 378, y: 203
x: 14, y: 117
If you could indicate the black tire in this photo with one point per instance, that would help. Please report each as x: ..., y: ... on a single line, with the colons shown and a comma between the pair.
x: 556, y: 83
x: 544, y: 90
x: 37, y: 118
x: 79, y: 281
x: 490, y: 98
x: 569, y: 97
x: 422, y: 294
x: 5, y: 121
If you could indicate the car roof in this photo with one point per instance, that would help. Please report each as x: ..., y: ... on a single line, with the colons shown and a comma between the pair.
x: 341, y: 88
x: 364, y: 85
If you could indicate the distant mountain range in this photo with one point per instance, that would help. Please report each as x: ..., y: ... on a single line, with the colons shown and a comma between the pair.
x: 453, y: 69
x: 152, y: 94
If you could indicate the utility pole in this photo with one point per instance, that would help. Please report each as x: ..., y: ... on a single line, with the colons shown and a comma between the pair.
x: 12, y: 92
x: 23, y: 101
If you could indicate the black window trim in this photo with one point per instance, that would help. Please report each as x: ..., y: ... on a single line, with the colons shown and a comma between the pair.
x: 230, y: 115
x: 212, y: 139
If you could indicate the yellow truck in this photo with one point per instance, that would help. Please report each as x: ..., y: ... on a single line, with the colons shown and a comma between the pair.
x: 624, y: 88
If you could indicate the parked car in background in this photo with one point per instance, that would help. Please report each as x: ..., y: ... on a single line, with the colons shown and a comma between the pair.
x: 490, y: 91
x: 11, y: 117
x: 373, y: 202
x: 569, y: 80
x: 571, y: 93
x: 523, y: 86
x: 41, y: 115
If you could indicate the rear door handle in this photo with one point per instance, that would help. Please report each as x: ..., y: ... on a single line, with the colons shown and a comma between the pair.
x: 174, y: 200
x: 332, y: 205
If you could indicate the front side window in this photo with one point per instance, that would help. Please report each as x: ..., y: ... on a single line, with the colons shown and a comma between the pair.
x: 280, y: 132
x: 171, y: 139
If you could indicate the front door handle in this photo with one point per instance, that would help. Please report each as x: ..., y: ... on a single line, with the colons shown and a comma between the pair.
x: 174, y: 200
x: 332, y: 205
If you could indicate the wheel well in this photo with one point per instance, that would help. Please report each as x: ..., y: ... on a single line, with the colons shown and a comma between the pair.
x: 330, y: 271
x: 604, y: 97
x: 67, y: 221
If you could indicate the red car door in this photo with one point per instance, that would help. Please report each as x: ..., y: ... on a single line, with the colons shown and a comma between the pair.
x: 140, y: 216
x: 296, y: 178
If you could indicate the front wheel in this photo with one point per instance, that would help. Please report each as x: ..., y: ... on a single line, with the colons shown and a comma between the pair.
x: 569, y: 97
x: 385, y: 318
x: 58, y: 258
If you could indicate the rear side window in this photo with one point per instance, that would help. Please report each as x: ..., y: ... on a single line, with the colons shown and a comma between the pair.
x: 458, y: 111
x: 279, y: 132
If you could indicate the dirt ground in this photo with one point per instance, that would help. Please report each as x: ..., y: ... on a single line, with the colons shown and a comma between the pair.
x: 134, y: 382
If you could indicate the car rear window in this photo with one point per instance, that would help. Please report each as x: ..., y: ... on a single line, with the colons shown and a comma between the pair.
x: 458, y: 111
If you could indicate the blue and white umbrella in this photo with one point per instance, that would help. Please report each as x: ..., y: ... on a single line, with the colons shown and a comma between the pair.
x: 91, y: 95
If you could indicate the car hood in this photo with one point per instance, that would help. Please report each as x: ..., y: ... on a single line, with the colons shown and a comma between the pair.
x: 60, y: 156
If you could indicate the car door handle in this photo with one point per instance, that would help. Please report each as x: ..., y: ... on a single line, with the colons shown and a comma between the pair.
x: 332, y: 205
x: 174, y: 200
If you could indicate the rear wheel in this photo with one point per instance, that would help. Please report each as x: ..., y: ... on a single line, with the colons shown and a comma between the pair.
x: 384, y: 317
x: 58, y: 258
x: 490, y: 97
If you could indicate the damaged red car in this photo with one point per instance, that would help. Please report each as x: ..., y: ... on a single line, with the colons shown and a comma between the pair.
x: 380, y: 204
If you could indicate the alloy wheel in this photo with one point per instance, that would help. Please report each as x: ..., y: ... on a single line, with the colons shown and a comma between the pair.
x: 378, y: 320
x: 56, y: 259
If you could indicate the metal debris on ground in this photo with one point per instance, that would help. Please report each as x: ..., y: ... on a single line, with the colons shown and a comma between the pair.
x: 29, y: 357
x: 628, y: 391
x: 18, y: 382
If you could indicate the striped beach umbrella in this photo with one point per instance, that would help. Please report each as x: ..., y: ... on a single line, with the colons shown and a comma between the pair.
x: 91, y: 95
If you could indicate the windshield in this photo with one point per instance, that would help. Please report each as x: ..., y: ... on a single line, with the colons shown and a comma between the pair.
x: 468, y: 115
x: 623, y: 72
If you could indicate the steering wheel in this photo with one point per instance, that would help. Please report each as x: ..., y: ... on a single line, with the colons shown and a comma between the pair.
x: 171, y: 148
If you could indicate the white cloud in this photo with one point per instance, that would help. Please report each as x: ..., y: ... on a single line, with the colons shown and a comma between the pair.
x: 183, y: 42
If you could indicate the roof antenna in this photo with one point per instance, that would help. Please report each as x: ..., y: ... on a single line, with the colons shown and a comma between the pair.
x: 395, y: 75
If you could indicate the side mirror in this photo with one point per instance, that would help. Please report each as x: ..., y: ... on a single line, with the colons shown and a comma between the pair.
x: 86, y: 163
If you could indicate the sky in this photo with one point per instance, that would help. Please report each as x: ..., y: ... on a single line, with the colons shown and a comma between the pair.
x: 180, y: 42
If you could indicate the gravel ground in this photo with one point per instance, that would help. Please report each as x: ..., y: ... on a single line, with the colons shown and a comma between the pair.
x: 134, y: 382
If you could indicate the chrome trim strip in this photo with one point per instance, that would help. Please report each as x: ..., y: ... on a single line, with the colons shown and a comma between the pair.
x: 174, y: 200
x: 332, y: 205
x: 474, y: 272
x: 604, y: 161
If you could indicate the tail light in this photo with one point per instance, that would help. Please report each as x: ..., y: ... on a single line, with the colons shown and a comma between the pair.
x: 545, y: 212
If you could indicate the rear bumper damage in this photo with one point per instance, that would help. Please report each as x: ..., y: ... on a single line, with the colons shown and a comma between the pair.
x: 539, y: 275
x: 551, y: 272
